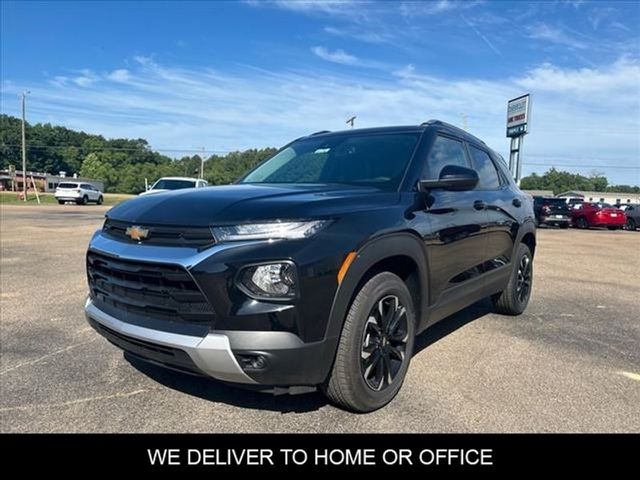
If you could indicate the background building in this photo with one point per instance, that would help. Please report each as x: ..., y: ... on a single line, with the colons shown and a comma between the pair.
x: 45, y: 182
x: 607, y: 197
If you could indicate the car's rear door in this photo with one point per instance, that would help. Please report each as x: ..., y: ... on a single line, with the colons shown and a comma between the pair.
x: 503, y: 205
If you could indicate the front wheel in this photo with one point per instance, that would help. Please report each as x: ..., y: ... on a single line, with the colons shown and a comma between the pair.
x: 375, y: 347
x: 514, y: 299
x: 100, y: 200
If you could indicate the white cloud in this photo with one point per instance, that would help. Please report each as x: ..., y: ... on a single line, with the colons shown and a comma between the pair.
x: 542, y: 31
x: 336, y: 56
x: 622, y: 76
x: 580, y: 116
x: 85, y: 79
x: 119, y: 75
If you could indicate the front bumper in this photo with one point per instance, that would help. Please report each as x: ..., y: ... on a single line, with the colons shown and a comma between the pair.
x: 287, y: 361
x: 210, y: 355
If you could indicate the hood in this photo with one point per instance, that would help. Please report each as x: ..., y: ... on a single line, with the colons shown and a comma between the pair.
x: 243, y: 203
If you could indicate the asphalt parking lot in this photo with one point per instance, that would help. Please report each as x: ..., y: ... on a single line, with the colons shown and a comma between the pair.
x: 570, y: 363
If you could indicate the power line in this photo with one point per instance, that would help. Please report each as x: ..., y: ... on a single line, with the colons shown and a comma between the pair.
x: 123, y: 149
x: 579, y: 166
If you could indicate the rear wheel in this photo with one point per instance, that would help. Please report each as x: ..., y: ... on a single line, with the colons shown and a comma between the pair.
x: 564, y: 225
x: 84, y: 200
x: 61, y: 202
x: 631, y: 224
x: 613, y: 228
x: 375, y: 347
x: 581, y: 222
x: 514, y: 299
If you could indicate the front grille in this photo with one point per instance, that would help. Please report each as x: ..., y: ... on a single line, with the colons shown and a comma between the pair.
x: 164, y: 292
x: 198, y: 237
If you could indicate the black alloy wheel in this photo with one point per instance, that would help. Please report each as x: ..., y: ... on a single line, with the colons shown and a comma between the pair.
x: 523, y: 279
x: 384, y: 343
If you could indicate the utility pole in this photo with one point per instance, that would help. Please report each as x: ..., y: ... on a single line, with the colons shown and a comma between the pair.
x: 464, y: 122
x: 24, y: 147
x: 351, y: 121
x: 202, y: 164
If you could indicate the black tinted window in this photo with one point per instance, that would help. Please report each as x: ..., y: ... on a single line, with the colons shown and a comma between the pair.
x: 377, y: 160
x: 487, y: 172
x: 445, y: 151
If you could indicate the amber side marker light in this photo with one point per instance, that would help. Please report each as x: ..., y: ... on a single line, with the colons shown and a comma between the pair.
x: 351, y: 256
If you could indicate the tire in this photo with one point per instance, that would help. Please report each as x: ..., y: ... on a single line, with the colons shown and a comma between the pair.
x: 352, y: 383
x: 581, y: 223
x: 84, y: 200
x: 631, y: 224
x: 100, y: 200
x: 61, y: 202
x: 512, y: 300
x: 564, y: 225
x: 613, y: 228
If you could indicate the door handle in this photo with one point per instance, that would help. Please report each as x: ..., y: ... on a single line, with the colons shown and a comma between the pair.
x: 479, y: 205
x: 516, y: 202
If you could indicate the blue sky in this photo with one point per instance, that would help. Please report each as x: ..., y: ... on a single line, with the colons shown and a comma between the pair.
x: 234, y: 75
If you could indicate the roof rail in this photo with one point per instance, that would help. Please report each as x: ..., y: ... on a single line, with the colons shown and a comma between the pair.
x: 440, y: 123
x: 320, y: 132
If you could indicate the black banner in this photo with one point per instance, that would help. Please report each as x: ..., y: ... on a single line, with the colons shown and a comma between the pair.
x: 222, y: 453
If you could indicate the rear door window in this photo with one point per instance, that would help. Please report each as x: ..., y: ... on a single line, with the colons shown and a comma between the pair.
x: 487, y: 172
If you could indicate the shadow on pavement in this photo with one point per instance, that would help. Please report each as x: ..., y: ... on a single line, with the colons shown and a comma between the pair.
x: 215, y: 391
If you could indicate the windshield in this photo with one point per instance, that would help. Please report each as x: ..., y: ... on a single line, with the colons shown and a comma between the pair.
x: 68, y: 185
x: 377, y: 160
x: 165, y: 184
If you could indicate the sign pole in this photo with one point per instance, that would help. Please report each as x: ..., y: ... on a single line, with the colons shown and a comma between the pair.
x: 518, y: 121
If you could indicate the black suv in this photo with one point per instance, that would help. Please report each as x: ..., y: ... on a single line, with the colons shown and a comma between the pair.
x: 552, y: 211
x: 320, y: 266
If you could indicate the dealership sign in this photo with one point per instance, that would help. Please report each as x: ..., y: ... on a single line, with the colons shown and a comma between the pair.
x: 518, y: 116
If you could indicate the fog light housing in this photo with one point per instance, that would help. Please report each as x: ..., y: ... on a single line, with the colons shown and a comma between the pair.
x: 252, y: 362
x: 271, y: 281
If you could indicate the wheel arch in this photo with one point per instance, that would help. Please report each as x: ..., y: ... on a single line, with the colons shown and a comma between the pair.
x: 400, y: 253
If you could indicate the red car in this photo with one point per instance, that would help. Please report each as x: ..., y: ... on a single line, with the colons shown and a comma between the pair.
x: 589, y: 214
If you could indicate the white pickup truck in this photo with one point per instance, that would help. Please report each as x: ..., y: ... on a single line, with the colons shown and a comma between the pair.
x: 175, y: 183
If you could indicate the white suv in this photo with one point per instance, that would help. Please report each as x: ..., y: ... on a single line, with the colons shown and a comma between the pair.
x: 81, y: 193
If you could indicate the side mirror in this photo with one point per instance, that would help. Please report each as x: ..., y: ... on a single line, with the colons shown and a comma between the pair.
x: 453, y: 178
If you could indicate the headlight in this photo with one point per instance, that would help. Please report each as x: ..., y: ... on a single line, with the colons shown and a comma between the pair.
x: 270, y: 281
x: 268, y: 231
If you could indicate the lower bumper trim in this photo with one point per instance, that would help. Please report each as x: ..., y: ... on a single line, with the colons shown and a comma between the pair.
x: 211, y: 354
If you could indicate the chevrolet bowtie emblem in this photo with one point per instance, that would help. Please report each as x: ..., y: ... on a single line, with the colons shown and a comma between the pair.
x: 137, y: 233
